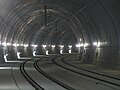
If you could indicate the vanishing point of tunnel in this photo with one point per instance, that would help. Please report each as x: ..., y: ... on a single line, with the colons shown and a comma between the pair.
x: 59, y: 44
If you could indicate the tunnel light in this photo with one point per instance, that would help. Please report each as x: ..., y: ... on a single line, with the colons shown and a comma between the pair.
x: 70, y: 46
x: 15, y: 45
x: 18, y: 55
x: 34, y: 46
x: 61, y: 46
x: 34, y: 53
x: 44, y: 46
x: 61, y: 51
x: 77, y: 45
x: 4, y: 44
x: 53, y: 46
x: 21, y: 44
x: 86, y: 44
x: 25, y: 45
x: 80, y: 45
x: 18, y: 45
x: 8, y: 44
x: 47, y: 52
x: 95, y: 43
x: 70, y: 51
x: 80, y: 39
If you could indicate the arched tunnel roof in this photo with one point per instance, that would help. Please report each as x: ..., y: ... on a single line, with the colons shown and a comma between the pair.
x: 23, y: 21
x: 60, y: 44
x: 60, y: 22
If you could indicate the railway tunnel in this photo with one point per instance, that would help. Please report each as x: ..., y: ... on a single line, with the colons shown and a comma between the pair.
x: 59, y: 44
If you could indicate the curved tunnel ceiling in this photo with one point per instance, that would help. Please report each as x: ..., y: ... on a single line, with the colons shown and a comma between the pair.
x: 23, y: 21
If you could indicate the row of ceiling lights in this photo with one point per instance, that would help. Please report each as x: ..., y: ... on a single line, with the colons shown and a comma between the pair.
x: 97, y: 44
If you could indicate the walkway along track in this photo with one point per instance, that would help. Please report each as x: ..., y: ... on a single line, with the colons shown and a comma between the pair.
x: 62, y: 59
x: 84, y: 74
x: 28, y: 78
x: 51, y: 78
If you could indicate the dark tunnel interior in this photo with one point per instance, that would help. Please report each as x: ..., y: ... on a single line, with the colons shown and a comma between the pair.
x: 90, y: 28
x: 94, y: 23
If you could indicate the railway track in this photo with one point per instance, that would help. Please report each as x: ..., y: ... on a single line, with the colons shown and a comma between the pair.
x: 28, y: 78
x: 88, y: 74
x: 37, y: 85
x: 60, y: 62
x: 62, y: 59
x: 51, y: 78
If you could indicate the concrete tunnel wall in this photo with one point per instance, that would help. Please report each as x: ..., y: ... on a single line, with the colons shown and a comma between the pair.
x: 90, y: 20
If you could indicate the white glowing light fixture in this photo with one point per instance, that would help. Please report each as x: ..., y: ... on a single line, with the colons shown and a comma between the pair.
x: 77, y: 45
x: 80, y: 39
x: 70, y: 51
x: 34, y: 53
x: 34, y: 46
x: 95, y: 43
x: 47, y: 52
x: 53, y: 46
x: 4, y: 44
x: 61, y: 46
x: 86, y: 44
x: 25, y: 45
x: 80, y: 45
x: 15, y: 45
x: 18, y: 55
x: 61, y: 51
x: 44, y: 46
x: 21, y: 44
x: 70, y: 46
x: 8, y: 44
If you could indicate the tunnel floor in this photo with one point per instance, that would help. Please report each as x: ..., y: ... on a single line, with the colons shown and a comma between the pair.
x: 93, y: 67
x: 56, y: 73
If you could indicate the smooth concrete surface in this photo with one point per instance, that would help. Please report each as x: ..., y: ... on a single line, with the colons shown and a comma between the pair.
x: 92, y: 67
x: 41, y: 79
x: 6, y: 78
x: 76, y: 81
x: 89, y: 73
x: 21, y: 82
x: 12, y: 79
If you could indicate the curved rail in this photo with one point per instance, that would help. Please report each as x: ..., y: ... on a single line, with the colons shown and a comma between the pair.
x: 89, y: 70
x: 28, y: 78
x: 83, y: 74
x: 51, y: 78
